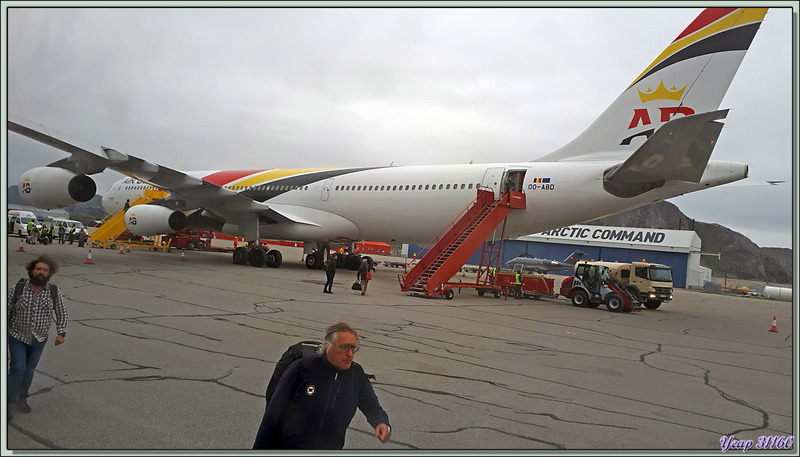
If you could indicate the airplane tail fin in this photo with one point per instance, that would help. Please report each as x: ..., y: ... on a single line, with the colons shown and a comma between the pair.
x: 573, y: 258
x: 690, y: 76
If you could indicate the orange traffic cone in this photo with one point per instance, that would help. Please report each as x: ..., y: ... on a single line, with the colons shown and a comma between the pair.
x: 127, y: 248
x: 182, y: 257
x: 120, y: 250
x: 774, y: 325
x: 89, y: 257
x: 21, y: 245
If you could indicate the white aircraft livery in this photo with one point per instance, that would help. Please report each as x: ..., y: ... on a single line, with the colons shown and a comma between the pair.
x: 652, y: 143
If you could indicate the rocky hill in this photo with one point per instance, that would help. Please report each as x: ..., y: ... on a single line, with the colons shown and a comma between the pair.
x: 739, y: 257
x: 85, y: 212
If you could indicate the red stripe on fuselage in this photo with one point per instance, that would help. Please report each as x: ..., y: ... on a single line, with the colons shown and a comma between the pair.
x: 706, y: 17
x: 222, y: 178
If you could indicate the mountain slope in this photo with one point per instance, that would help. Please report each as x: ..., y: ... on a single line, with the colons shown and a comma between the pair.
x: 739, y: 257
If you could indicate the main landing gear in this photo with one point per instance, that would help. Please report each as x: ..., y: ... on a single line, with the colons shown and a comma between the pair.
x: 350, y: 261
x: 257, y: 256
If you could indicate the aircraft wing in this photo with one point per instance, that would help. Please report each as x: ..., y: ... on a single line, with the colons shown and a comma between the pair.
x: 186, y: 192
x: 679, y: 150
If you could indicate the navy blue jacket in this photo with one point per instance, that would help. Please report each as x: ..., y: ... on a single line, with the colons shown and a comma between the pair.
x: 312, y: 410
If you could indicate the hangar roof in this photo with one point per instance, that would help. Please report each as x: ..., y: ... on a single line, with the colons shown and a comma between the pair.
x: 620, y: 237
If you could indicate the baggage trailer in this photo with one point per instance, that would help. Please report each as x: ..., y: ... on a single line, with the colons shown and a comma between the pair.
x: 533, y: 285
x: 447, y: 289
x: 505, y: 283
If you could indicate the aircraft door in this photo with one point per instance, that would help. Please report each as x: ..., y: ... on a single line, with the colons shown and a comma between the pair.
x: 493, y: 178
x: 326, y: 189
x: 515, y: 179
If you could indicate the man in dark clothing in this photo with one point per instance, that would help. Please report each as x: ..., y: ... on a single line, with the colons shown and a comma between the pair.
x: 312, y: 408
x: 330, y: 271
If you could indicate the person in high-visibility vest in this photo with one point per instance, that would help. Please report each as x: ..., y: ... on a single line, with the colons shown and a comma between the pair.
x: 518, y: 286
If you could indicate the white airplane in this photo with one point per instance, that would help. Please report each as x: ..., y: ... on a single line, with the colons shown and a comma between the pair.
x: 545, y: 265
x: 653, y: 143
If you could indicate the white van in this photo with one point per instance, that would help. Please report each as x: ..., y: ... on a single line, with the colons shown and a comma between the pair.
x: 57, y: 222
x: 18, y: 221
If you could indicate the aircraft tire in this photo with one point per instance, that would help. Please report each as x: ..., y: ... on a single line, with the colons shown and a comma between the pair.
x: 257, y: 257
x: 353, y: 262
x: 614, y: 302
x: 580, y: 298
x: 240, y: 256
x: 274, y: 258
x: 314, y: 260
x: 652, y: 304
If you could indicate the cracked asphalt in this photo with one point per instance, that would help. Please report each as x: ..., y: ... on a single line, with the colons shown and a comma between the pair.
x: 164, y: 354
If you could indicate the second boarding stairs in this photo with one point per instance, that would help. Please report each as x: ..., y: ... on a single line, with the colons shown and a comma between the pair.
x: 114, y: 224
x: 455, y: 244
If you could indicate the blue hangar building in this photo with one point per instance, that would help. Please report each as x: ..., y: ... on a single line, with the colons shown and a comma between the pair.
x: 680, y: 249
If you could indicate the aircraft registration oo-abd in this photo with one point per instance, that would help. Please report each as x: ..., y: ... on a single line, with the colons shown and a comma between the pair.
x: 652, y: 143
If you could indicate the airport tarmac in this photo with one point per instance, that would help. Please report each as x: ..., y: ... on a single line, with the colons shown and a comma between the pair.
x: 170, y: 354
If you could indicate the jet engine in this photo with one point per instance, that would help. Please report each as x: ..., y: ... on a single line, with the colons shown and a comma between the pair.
x: 147, y: 220
x: 52, y: 187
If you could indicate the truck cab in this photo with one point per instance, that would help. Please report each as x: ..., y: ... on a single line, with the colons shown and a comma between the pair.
x: 653, y: 281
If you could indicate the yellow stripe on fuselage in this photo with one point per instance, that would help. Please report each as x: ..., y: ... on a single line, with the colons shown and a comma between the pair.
x: 272, y: 175
x: 746, y: 16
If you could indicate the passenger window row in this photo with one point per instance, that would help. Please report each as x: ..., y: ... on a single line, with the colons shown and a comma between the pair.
x: 140, y: 187
x: 267, y: 187
x: 407, y: 187
x: 361, y: 188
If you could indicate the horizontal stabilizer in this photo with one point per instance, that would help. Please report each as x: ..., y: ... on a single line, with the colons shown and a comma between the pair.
x: 677, y: 151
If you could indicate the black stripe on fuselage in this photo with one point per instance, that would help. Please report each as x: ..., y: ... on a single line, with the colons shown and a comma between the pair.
x: 737, y: 39
x: 271, y: 189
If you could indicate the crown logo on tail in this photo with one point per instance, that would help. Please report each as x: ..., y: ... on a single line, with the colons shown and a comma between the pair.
x: 661, y: 93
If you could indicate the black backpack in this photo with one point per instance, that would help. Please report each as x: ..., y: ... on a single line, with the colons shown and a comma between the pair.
x: 304, y: 349
x: 21, y: 284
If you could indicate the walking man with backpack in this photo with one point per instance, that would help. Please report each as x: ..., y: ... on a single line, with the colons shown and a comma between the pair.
x: 330, y: 271
x: 32, y: 304
x: 317, y: 396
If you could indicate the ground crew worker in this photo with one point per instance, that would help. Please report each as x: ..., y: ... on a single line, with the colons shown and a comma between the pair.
x: 518, y: 285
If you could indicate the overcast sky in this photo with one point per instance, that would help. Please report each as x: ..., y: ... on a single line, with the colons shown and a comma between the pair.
x: 222, y: 88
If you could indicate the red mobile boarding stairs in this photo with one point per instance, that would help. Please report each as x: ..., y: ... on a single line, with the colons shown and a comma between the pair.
x: 455, y: 244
